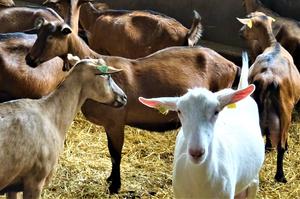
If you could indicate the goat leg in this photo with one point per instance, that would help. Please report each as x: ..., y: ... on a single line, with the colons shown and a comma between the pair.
x: 115, y: 138
x: 279, y: 172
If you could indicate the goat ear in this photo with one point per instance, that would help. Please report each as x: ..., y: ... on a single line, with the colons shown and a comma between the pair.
x: 112, y: 70
x: 247, y: 22
x: 65, y: 29
x: 236, y: 96
x: 39, y: 22
x: 163, y: 104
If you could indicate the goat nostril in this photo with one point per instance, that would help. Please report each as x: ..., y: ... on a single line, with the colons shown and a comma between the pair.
x: 196, y: 153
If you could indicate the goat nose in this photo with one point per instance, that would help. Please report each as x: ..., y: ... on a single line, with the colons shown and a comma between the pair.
x: 29, y: 61
x: 196, y: 153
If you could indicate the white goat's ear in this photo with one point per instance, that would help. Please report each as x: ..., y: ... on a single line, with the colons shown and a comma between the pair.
x: 163, y: 104
x: 72, y: 59
x: 247, y: 22
x: 235, y: 96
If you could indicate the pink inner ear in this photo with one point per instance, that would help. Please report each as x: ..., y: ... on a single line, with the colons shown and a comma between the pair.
x: 148, y: 102
x: 241, y: 94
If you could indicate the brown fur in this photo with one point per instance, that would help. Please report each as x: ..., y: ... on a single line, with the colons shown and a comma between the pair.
x: 17, y: 79
x: 18, y: 19
x: 278, y: 86
x: 130, y: 34
x: 286, y: 30
x: 168, y: 72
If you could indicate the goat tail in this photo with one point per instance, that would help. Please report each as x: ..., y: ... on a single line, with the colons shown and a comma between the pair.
x: 195, y: 31
x: 245, y: 71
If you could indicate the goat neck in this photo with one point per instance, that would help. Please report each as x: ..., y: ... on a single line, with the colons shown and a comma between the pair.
x: 88, y: 15
x: 267, y: 38
x: 78, y: 47
x: 251, y: 5
x: 72, y: 15
x: 65, y: 101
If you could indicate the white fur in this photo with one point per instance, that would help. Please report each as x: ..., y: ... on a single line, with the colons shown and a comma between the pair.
x: 232, y: 143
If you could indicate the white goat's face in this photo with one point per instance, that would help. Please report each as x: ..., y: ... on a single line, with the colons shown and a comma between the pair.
x: 198, y: 111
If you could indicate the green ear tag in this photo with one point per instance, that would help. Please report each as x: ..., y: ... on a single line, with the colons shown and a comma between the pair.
x: 162, y: 110
x: 103, y: 68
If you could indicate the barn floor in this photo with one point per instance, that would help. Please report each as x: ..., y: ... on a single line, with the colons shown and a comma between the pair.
x: 146, y: 166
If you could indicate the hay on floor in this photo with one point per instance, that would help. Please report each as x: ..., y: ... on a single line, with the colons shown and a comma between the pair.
x: 146, y: 166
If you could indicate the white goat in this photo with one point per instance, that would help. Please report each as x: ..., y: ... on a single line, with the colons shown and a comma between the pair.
x: 219, y: 149
x: 32, y: 132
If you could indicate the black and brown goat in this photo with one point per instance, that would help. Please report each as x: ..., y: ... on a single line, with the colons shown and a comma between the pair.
x: 277, y: 83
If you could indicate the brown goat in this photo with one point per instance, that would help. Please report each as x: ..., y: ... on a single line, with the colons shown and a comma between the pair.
x: 130, y: 34
x: 17, y: 79
x: 277, y: 83
x: 168, y: 72
x: 286, y: 30
x: 18, y: 19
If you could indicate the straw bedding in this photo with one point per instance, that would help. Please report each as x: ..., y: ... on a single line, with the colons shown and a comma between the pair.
x: 146, y: 165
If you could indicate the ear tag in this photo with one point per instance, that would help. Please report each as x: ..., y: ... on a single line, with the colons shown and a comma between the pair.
x: 162, y: 110
x: 249, y: 24
x: 103, y: 68
x: 233, y: 105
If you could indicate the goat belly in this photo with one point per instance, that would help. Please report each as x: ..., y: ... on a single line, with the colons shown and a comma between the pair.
x: 12, y: 188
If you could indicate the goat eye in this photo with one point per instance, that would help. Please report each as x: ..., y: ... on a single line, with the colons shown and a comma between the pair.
x: 49, y: 37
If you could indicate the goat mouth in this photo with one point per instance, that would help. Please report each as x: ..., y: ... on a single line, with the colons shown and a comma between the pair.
x: 120, y: 101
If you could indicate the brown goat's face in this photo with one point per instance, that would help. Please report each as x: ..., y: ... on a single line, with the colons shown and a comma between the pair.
x: 52, y: 41
x: 254, y: 24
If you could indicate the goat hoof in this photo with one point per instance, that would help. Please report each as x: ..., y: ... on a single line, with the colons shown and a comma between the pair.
x: 280, y: 178
x: 109, y: 179
x: 114, y: 188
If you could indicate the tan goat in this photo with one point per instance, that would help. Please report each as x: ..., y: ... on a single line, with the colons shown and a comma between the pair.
x: 130, y: 34
x: 38, y: 127
x: 277, y: 82
x: 6, y: 3
x: 286, y: 31
x: 168, y: 72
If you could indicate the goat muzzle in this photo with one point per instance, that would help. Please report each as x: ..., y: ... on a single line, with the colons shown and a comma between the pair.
x: 30, y: 62
x: 196, y: 154
x: 121, y: 100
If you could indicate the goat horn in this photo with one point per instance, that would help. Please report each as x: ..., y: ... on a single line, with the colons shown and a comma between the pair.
x: 39, y: 22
